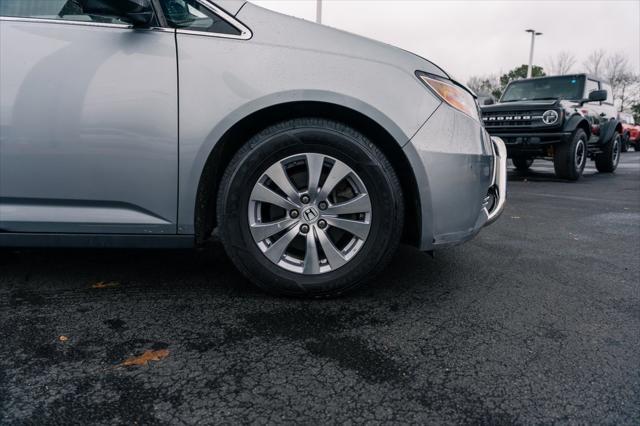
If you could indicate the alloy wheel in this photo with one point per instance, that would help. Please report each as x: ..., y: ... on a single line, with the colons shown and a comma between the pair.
x: 309, y: 213
x: 616, y: 151
x: 581, y: 154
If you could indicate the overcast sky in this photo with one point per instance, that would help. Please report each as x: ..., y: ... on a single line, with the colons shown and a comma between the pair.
x: 484, y: 37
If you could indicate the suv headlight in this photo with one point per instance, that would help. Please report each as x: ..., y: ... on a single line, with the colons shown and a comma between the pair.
x: 452, y: 94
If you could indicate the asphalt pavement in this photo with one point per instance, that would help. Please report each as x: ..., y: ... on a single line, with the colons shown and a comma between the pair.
x: 537, y: 320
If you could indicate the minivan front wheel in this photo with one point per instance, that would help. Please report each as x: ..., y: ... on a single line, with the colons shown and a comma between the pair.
x: 310, y: 207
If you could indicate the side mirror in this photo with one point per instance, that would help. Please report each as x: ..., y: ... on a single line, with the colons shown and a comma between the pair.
x: 138, y: 12
x: 488, y: 101
x: 597, y: 96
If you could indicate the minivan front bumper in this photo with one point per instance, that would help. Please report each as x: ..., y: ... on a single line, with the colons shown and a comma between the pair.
x: 498, y: 190
x: 461, y: 177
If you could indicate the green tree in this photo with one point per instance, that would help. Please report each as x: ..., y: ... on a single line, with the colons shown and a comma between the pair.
x: 520, y: 72
x: 485, y: 85
x: 635, y: 110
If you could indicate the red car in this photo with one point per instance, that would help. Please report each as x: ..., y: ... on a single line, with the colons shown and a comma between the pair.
x: 630, y: 131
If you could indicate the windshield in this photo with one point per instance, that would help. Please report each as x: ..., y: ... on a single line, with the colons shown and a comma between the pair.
x: 570, y: 87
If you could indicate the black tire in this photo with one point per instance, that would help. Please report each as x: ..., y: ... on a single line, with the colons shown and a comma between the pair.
x: 522, y: 163
x: 7, y: 256
x: 608, y: 160
x: 571, y: 156
x: 625, y: 143
x: 310, y: 135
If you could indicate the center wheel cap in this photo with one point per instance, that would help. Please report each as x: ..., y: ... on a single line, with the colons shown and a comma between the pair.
x: 310, y: 215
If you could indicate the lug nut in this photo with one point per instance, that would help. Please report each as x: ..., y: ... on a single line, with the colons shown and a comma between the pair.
x: 304, y: 228
x: 305, y: 199
x: 322, y: 223
x: 294, y: 214
x: 323, y: 205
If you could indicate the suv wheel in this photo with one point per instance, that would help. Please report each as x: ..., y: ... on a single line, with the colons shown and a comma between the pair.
x: 607, y: 161
x: 571, y: 156
x: 522, y: 163
x: 310, y: 207
x: 624, y: 147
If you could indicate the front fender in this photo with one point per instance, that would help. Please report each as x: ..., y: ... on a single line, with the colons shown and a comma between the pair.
x: 194, y: 162
x: 576, y: 121
x: 608, y: 130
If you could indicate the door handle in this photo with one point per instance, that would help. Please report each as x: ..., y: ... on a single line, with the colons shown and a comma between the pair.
x: 602, y: 114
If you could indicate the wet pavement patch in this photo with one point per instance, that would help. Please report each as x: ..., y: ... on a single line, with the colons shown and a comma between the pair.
x: 534, y: 321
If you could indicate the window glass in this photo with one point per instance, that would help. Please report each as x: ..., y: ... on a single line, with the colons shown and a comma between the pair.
x: 607, y: 87
x: 191, y: 15
x: 66, y: 10
x: 591, y: 86
x: 544, y: 88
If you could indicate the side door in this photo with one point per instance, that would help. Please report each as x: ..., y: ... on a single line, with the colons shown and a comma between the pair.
x: 88, y: 122
x: 609, y: 111
x: 592, y: 110
x: 209, y: 41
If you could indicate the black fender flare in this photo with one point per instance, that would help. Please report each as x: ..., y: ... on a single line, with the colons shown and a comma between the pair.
x: 607, y: 131
x: 576, y: 121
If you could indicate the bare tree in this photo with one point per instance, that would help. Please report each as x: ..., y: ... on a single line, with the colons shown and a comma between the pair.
x: 485, y: 85
x: 595, y: 63
x: 626, y: 89
x: 623, y: 81
x: 614, y: 68
x: 562, y: 63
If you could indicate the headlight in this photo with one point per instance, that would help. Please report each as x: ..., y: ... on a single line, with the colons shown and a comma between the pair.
x: 454, y: 95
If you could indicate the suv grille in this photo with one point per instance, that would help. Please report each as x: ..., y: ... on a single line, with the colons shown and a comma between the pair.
x: 509, y: 119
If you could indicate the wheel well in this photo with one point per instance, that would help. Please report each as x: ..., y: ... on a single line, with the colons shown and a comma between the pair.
x: 236, y: 136
x: 584, y: 125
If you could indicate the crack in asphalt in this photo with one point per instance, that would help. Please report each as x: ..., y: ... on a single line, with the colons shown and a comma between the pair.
x: 534, y: 321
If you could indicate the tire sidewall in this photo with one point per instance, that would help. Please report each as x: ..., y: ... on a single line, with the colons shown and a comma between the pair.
x: 607, y: 161
x: 267, y: 150
x: 522, y: 163
x: 625, y: 143
x: 579, y: 139
x: 615, y: 151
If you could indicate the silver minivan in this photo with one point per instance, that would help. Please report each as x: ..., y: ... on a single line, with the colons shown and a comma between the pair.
x: 310, y: 152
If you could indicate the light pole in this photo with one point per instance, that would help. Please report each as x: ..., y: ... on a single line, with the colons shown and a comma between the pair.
x: 319, y: 11
x: 533, y: 41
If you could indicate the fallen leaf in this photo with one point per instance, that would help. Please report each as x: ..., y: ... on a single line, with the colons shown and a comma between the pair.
x: 103, y: 284
x: 146, y: 357
x: 63, y: 338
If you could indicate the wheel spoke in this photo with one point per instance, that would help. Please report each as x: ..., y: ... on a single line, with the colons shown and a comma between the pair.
x: 358, y: 204
x: 276, y: 234
x: 334, y: 257
x: 261, y: 231
x: 279, y: 176
x: 359, y: 229
x: 275, y: 251
x: 314, y: 166
x: 338, y: 172
x: 311, y: 260
x: 265, y: 195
